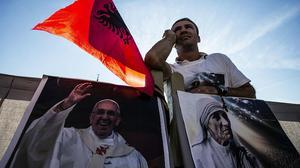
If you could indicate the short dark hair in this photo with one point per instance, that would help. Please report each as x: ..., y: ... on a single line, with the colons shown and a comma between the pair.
x: 187, y: 19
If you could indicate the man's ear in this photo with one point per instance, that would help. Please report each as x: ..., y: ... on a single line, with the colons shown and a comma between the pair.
x: 199, y: 39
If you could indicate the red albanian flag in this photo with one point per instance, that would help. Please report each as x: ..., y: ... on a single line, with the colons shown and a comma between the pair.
x: 97, y: 27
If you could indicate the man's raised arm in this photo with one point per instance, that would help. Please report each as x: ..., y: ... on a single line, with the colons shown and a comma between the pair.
x: 156, y: 57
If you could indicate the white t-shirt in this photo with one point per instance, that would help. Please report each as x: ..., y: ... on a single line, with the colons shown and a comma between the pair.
x: 214, y: 63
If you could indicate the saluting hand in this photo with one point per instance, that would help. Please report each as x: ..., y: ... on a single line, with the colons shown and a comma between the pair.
x: 170, y: 35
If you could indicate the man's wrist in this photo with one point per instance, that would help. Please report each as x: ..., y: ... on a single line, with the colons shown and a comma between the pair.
x: 222, y: 90
x: 170, y: 36
x: 171, y: 40
x: 226, y: 91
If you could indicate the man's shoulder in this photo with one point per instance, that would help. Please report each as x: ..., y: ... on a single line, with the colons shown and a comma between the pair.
x: 214, y: 57
x: 220, y: 58
x: 217, y: 56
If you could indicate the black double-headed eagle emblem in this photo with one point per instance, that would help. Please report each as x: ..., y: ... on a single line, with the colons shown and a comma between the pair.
x: 110, y: 18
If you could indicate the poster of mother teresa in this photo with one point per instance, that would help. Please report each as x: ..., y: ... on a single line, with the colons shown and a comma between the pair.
x: 234, y: 132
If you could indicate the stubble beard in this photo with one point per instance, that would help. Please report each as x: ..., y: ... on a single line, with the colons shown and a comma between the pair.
x: 185, y: 47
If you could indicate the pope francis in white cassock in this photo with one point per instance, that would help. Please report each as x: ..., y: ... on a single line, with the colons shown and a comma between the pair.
x: 47, y: 143
x: 215, y: 146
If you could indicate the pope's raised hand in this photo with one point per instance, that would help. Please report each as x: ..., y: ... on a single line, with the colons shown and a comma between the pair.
x: 80, y: 92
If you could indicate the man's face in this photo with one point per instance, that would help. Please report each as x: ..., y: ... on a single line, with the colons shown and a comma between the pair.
x: 186, y: 33
x: 219, y: 127
x: 104, y: 119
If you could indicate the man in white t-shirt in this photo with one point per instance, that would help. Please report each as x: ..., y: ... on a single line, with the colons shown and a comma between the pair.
x: 214, y: 145
x: 47, y: 143
x: 209, y: 74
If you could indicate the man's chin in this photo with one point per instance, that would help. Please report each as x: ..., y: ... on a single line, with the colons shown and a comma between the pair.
x: 185, y: 42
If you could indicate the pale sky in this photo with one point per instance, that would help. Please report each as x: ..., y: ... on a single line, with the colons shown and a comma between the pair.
x: 262, y: 38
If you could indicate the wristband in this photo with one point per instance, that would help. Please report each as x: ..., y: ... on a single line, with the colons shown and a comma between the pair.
x: 222, y: 90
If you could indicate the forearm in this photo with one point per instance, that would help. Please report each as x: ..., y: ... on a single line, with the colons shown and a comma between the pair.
x: 244, y: 91
x: 158, y: 54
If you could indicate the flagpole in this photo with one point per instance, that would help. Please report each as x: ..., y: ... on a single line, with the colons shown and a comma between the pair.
x: 97, y: 77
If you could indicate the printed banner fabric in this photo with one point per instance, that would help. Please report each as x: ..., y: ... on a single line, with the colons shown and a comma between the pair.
x: 97, y: 27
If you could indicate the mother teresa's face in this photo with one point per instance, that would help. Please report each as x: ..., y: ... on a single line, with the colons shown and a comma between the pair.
x: 104, y: 119
x: 219, y: 127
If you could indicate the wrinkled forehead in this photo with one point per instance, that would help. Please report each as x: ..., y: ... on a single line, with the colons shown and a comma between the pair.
x: 219, y: 113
